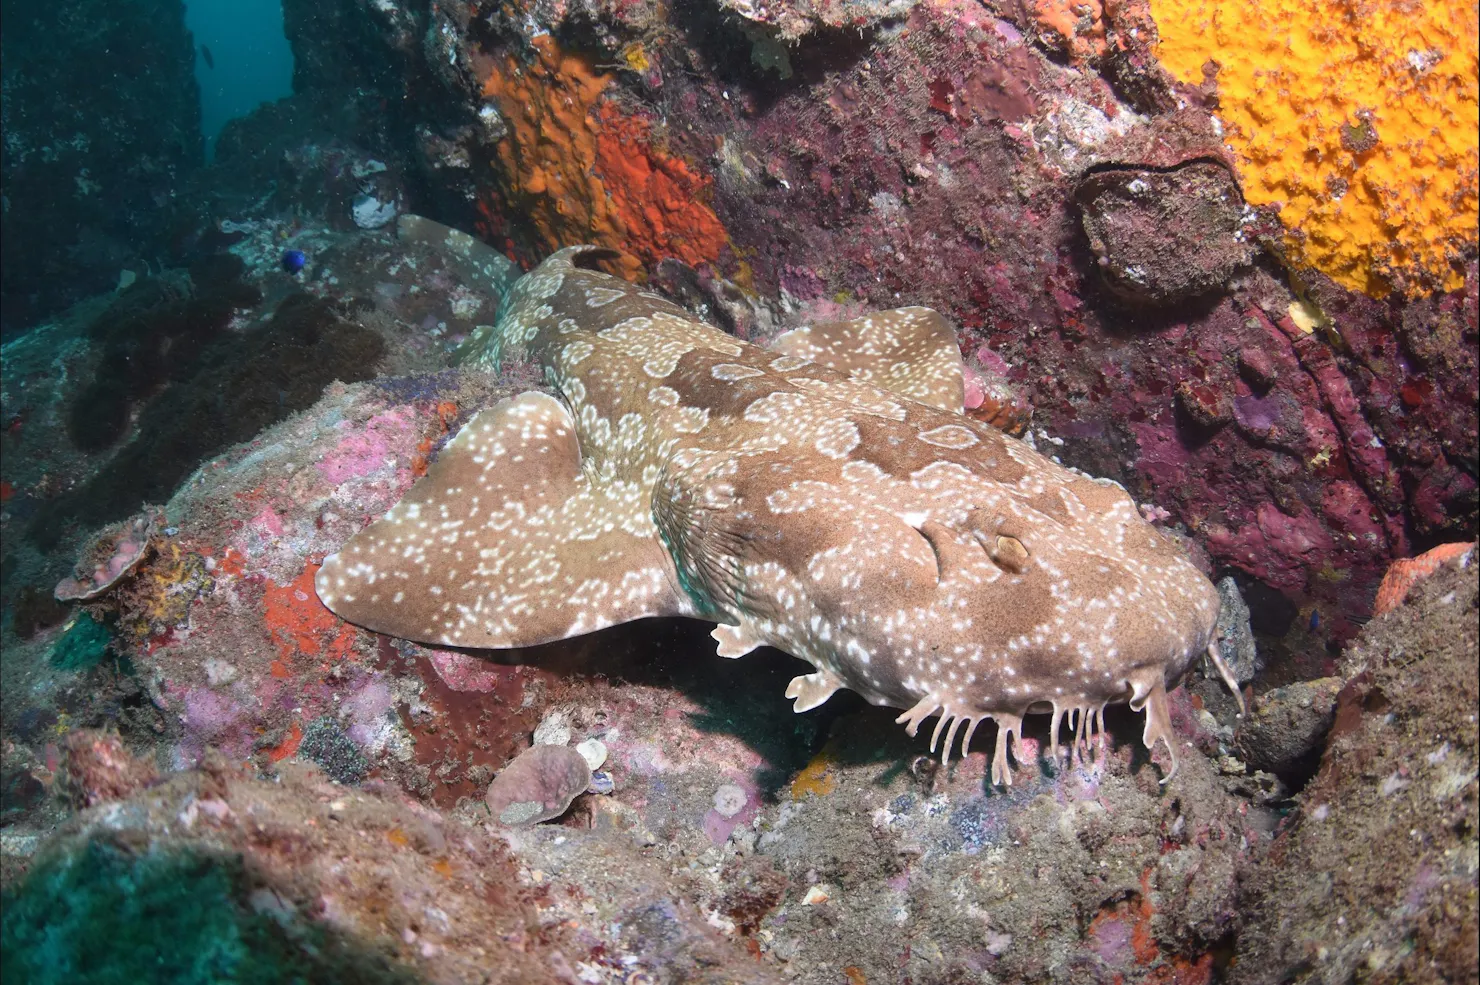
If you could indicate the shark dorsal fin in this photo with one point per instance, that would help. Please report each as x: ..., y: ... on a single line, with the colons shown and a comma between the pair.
x: 505, y: 543
x: 908, y: 351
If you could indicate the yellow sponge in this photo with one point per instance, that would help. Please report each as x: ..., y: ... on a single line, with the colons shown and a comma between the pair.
x: 1357, y: 118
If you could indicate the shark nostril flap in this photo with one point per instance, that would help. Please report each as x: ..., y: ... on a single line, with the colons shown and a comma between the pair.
x: 1010, y: 554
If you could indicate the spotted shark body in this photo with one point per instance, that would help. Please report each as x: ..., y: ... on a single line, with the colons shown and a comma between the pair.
x: 826, y: 497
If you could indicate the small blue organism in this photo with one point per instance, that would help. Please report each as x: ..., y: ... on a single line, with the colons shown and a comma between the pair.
x: 293, y: 261
x: 976, y: 825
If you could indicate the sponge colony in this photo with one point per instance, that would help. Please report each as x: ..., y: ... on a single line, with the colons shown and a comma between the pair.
x: 1356, y: 120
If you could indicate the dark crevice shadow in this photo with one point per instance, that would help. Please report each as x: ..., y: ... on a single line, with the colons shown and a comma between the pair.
x: 721, y: 39
x: 744, y: 698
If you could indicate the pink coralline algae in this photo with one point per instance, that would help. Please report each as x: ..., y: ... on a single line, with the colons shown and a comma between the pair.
x: 114, y: 554
x: 366, y: 448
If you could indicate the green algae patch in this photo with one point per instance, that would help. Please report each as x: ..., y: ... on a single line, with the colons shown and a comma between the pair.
x: 110, y: 914
x: 82, y: 645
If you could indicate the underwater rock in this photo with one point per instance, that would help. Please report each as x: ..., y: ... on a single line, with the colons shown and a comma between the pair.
x: 1404, y: 573
x: 1373, y: 877
x: 370, y: 212
x: 154, y: 332
x: 538, y: 785
x: 554, y: 729
x: 291, y: 879
x: 1164, y: 236
x: 1235, y: 635
x: 97, y: 768
x: 36, y: 609
x: 240, y: 383
x: 103, y: 136
x: 1285, y: 731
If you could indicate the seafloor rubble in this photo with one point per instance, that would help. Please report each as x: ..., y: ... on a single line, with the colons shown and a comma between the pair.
x: 194, y: 749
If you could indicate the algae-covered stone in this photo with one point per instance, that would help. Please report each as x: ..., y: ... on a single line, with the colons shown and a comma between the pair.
x: 539, y: 784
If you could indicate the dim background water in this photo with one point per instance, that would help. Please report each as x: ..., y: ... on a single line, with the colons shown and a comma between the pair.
x: 253, y: 62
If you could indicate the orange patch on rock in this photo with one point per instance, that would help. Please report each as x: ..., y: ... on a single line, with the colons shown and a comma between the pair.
x: 1404, y: 573
x: 446, y: 414
x: 300, y: 626
x: 817, y: 778
x: 1164, y: 969
x: 230, y: 564
x: 1077, y: 26
x: 288, y: 746
x: 659, y: 198
x: 587, y: 173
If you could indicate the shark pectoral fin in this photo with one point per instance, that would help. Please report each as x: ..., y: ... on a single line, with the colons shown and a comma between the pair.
x: 504, y: 543
x: 735, y: 641
x: 811, y: 690
x: 908, y: 351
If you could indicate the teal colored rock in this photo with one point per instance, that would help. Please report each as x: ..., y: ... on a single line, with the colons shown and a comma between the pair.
x: 82, y: 645
x: 109, y: 914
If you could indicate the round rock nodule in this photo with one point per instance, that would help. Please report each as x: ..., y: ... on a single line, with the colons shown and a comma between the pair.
x: 538, y: 784
x: 1160, y: 236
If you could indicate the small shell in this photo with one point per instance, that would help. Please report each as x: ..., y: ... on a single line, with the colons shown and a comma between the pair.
x: 594, y: 752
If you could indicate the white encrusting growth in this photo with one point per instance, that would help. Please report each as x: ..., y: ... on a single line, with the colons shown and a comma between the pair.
x: 831, y: 501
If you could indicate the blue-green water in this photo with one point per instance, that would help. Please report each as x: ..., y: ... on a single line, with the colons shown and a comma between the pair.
x: 250, y: 60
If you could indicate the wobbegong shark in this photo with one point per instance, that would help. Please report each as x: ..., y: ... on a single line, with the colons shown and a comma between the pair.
x: 825, y: 496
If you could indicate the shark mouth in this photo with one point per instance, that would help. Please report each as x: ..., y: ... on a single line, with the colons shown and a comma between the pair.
x: 1085, y: 720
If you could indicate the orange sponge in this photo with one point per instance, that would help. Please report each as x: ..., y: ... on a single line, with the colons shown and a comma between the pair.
x: 584, y: 172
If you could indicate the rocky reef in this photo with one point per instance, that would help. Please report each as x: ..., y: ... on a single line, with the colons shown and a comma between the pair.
x: 1099, y: 219
x: 1260, y: 317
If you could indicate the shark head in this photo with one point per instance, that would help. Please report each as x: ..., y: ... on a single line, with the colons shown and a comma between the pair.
x: 966, y: 576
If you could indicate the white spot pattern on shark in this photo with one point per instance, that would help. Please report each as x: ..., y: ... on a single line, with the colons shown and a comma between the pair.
x: 832, y: 502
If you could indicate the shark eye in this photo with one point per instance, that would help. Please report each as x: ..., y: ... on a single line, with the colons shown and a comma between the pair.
x: 1009, y: 554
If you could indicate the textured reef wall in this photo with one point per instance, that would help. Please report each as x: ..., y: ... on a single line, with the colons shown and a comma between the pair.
x: 1255, y: 311
x: 1258, y: 315
x: 102, y: 129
